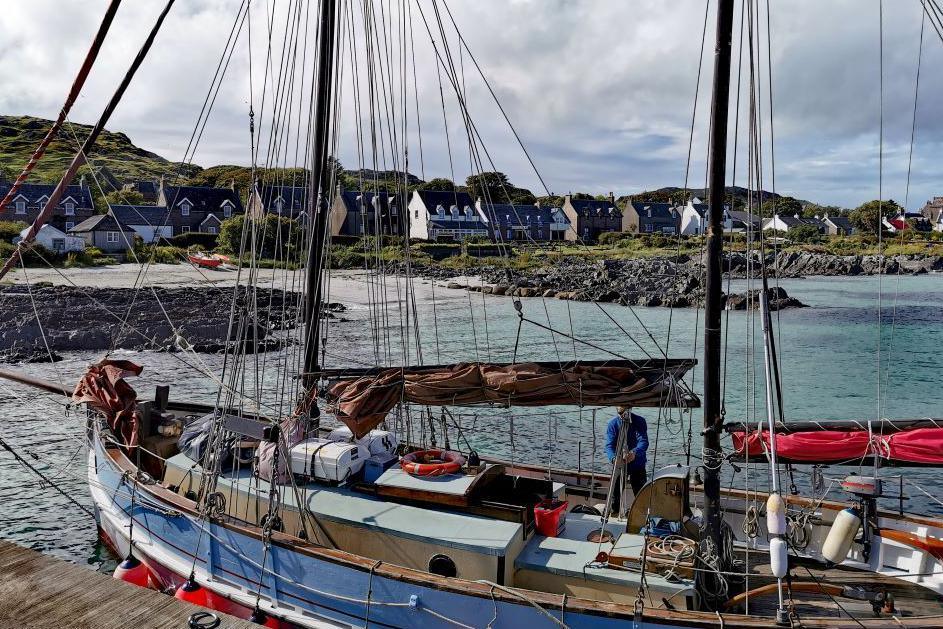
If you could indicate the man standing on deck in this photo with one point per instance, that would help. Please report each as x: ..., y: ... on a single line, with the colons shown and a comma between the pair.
x: 633, y: 454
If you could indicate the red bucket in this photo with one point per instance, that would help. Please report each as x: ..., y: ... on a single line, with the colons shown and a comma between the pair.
x: 549, y: 517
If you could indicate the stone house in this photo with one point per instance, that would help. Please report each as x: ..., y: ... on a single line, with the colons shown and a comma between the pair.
x: 75, y: 206
x: 444, y: 215
x: 837, y: 225
x: 198, y: 208
x: 356, y: 213
x: 643, y: 217
x: 933, y: 212
x: 589, y: 218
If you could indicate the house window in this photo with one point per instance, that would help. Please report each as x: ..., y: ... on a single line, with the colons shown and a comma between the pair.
x: 185, y: 209
x: 58, y: 244
x: 111, y: 237
x: 279, y: 205
x: 212, y: 230
x: 416, y: 214
x: 185, y: 229
x: 510, y: 234
x: 69, y: 225
x: 70, y: 208
x: 648, y: 227
x: 227, y: 210
x: 21, y: 207
x: 42, y: 203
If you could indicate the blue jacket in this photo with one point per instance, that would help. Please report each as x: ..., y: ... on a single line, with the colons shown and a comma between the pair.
x: 636, y: 440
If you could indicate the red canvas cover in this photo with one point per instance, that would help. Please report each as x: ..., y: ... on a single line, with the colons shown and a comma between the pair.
x: 104, y: 389
x: 920, y: 445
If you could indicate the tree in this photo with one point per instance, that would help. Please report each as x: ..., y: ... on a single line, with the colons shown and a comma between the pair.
x: 812, y: 210
x: 553, y: 200
x: 867, y: 216
x: 788, y: 206
x: 439, y: 183
x: 124, y: 197
x: 277, y: 236
x: 803, y: 233
x: 490, y: 186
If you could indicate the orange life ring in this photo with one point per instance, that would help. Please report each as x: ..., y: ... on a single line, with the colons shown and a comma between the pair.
x: 432, y: 463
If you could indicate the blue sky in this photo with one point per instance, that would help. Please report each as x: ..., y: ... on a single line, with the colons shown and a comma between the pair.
x: 601, y: 92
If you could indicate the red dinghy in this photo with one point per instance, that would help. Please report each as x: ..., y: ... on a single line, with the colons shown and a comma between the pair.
x: 205, y: 261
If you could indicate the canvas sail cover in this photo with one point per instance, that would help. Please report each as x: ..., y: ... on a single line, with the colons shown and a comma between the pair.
x: 363, y: 401
x: 916, y: 445
x: 104, y: 389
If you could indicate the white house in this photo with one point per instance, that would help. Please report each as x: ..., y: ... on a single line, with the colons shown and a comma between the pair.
x: 444, y: 215
x: 694, y: 219
x: 783, y: 223
x: 55, y: 239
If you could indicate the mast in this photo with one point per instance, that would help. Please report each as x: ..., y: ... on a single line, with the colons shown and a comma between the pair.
x: 319, y: 188
x: 713, y: 302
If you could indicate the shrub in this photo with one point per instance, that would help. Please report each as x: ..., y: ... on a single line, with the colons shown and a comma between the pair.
x: 612, y: 238
x: 345, y: 258
x: 275, y: 236
x: 11, y: 229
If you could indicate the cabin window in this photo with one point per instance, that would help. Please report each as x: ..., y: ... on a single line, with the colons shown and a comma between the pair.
x: 21, y: 207
x: 442, y: 565
x: 111, y: 237
x: 70, y: 208
x: 185, y: 209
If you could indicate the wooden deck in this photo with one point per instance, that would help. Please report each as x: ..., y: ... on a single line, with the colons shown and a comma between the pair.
x: 37, y: 590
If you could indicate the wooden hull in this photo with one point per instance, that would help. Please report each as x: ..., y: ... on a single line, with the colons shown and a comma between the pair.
x: 312, y: 586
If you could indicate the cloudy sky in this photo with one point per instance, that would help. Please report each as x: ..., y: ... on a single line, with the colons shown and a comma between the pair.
x: 601, y: 91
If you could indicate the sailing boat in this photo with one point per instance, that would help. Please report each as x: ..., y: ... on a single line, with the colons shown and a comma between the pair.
x: 276, y: 519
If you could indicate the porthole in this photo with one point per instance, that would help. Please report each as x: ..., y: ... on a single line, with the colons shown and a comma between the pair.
x: 443, y: 566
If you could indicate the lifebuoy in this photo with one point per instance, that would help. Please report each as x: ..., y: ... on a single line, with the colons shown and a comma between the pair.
x: 432, y: 463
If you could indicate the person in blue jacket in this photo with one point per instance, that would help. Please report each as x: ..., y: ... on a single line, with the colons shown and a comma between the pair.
x: 636, y: 445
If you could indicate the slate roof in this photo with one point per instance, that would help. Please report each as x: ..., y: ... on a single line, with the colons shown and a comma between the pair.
x: 446, y: 198
x: 658, y: 210
x: 516, y: 214
x: 594, y: 205
x: 153, y: 215
x: 100, y: 222
x: 699, y: 208
x: 294, y: 198
x: 840, y: 221
x: 204, y: 199
x: 148, y: 189
x: 744, y: 217
x: 354, y: 203
x: 35, y: 191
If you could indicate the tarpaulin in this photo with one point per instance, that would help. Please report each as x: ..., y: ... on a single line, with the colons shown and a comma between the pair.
x: 103, y: 388
x: 363, y: 402
x: 919, y: 445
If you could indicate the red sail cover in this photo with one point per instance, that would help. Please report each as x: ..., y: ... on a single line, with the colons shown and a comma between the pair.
x: 104, y: 389
x: 918, y: 445
x: 363, y: 402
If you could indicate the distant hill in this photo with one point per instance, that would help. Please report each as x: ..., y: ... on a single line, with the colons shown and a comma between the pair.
x: 123, y: 162
x: 674, y: 194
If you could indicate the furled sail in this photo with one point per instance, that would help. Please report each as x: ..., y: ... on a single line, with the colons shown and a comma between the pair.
x: 104, y: 389
x: 362, y: 399
x: 909, y: 442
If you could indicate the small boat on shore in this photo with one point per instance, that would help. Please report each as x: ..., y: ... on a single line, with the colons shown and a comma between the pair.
x: 207, y: 260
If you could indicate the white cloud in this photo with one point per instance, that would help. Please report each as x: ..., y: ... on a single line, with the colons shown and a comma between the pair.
x: 601, y: 92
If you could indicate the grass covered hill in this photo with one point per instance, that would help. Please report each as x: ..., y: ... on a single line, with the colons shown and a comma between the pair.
x: 20, y: 135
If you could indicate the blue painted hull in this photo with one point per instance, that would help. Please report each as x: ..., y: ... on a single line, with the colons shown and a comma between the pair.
x: 315, y: 587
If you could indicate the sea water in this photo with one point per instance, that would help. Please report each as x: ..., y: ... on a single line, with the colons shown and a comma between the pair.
x: 836, y: 362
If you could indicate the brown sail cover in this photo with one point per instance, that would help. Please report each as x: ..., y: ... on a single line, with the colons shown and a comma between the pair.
x: 104, y: 389
x: 363, y: 402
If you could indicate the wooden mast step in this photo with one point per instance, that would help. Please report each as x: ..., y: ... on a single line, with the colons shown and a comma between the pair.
x: 41, y: 591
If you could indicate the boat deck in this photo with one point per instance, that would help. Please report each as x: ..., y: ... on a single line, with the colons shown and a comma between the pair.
x: 910, y: 600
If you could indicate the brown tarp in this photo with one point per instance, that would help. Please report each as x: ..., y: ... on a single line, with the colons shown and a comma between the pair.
x: 363, y: 402
x: 104, y: 389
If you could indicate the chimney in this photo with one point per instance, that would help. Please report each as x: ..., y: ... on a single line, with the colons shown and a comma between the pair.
x: 232, y: 184
x: 612, y: 199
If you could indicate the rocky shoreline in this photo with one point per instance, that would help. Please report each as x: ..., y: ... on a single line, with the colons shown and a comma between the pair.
x: 674, y: 281
x: 91, y: 319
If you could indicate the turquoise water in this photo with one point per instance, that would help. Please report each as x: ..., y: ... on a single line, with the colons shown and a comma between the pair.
x: 829, y: 356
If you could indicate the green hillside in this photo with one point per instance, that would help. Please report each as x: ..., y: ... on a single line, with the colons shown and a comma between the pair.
x: 20, y: 135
